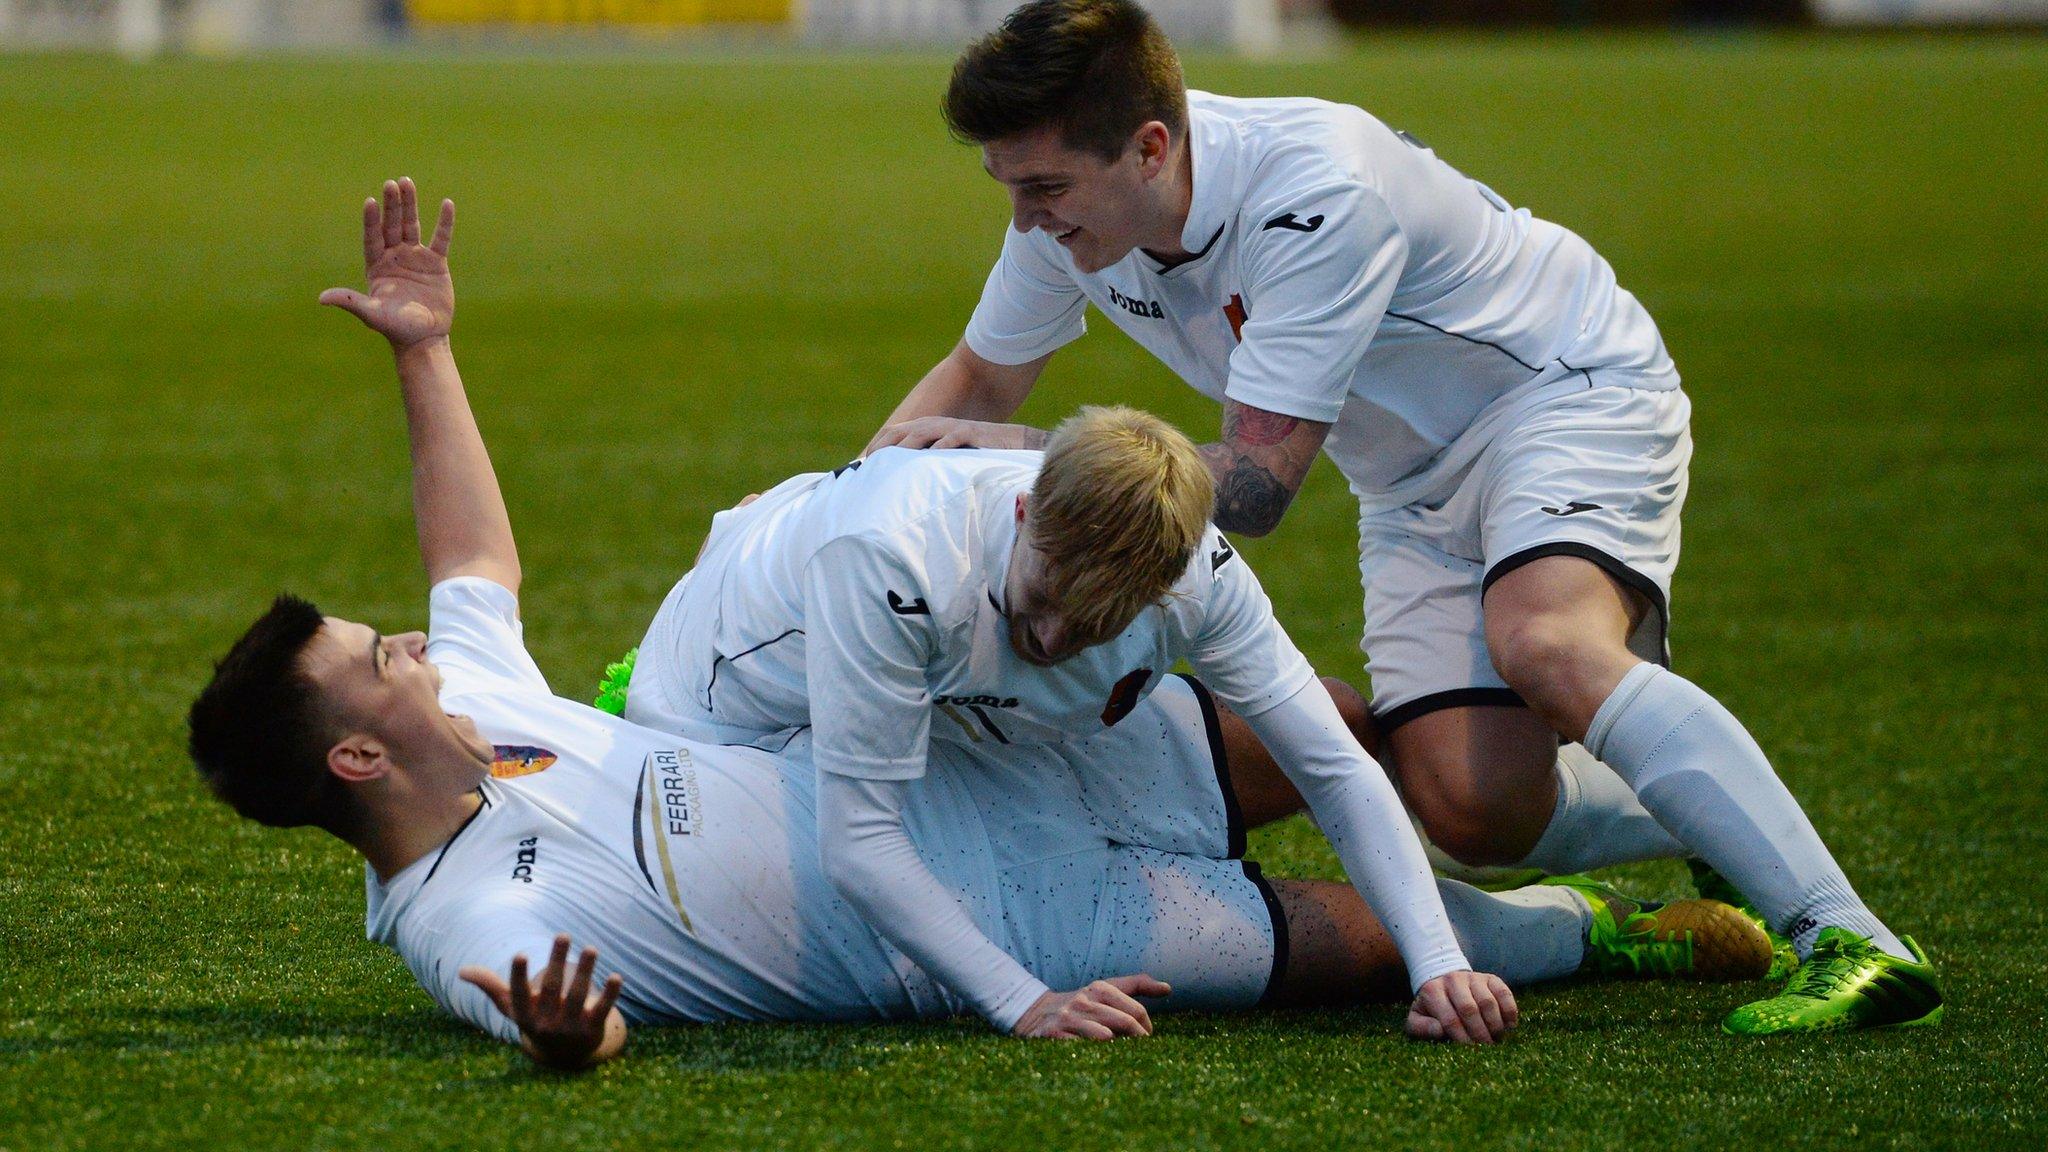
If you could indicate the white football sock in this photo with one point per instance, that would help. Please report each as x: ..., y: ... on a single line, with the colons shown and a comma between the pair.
x: 1523, y: 936
x: 1700, y: 772
x: 1598, y: 821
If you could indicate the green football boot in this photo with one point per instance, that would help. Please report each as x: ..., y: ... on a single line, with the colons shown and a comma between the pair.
x: 1687, y: 939
x: 1711, y: 885
x: 1847, y: 982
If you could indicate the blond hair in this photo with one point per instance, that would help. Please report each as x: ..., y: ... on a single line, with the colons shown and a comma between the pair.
x: 1120, y: 503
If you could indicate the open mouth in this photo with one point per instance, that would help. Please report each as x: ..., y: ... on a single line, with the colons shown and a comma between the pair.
x: 1068, y: 235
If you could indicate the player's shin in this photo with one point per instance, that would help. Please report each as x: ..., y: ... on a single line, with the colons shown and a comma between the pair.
x: 1598, y: 822
x: 1701, y: 774
x: 1523, y: 936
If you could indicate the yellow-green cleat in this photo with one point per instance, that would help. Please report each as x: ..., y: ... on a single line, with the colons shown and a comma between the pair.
x: 1847, y: 982
x: 1711, y: 885
x: 1687, y: 939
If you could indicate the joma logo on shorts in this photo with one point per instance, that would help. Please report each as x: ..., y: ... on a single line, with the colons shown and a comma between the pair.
x: 1147, y: 308
x: 977, y: 701
x: 529, y: 851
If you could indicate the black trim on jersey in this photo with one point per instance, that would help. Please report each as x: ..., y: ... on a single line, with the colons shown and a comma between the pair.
x: 1191, y: 257
x: 1279, y: 914
x: 450, y: 842
x: 1586, y: 372
x: 640, y: 845
x: 1393, y: 718
x: 1467, y: 339
x: 988, y: 724
x: 1219, y: 756
x: 713, y: 683
x: 1609, y: 564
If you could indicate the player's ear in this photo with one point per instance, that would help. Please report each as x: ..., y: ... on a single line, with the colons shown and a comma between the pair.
x: 358, y: 758
x: 1022, y: 500
x: 1153, y: 142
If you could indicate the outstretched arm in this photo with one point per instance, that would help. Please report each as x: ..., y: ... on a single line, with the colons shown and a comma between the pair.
x: 460, y: 514
x: 963, y: 403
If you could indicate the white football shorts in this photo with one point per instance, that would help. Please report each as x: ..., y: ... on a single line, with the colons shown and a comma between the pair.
x: 1118, y: 854
x: 1598, y: 474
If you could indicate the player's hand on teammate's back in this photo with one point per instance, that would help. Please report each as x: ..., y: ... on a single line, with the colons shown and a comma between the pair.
x: 948, y: 432
x: 561, y: 1023
x: 1103, y: 1010
x: 1464, y: 1007
x: 411, y: 297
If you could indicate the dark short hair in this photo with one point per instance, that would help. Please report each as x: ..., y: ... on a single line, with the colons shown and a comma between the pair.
x: 1096, y: 70
x: 259, y: 734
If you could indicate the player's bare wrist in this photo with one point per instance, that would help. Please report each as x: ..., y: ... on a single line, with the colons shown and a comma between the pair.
x: 419, y: 351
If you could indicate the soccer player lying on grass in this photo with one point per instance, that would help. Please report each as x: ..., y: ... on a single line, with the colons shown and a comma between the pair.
x: 1003, y: 601
x: 1505, y: 412
x: 499, y: 822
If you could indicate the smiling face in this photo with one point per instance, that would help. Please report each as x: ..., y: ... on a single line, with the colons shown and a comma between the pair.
x: 385, y: 693
x: 1097, y: 209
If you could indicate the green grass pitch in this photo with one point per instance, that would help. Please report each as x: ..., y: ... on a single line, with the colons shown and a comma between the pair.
x: 681, y: 280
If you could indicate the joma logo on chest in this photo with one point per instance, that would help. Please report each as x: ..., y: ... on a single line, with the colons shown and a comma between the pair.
x: 1147, y: 308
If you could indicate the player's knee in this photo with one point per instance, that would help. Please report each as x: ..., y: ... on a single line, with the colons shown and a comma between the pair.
x: 1472, y: 824
x: 1543, y: 657
x: 1357, y: 713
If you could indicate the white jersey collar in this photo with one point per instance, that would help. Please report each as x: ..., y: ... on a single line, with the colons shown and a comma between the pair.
x: 1213, y: 164
x: 999, y: 538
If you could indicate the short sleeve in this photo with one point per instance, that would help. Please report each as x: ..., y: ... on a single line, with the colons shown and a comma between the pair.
x: 485, y: 934
x: 868, y: 637
x: 475, y: 639
x: 1320, y: 270
x: 1029, y: 306
x: 1241, y: 652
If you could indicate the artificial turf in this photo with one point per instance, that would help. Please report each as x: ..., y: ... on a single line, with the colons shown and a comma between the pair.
x: 683, y: 279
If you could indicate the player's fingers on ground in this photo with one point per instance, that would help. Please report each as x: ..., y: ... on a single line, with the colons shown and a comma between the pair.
x: 373, y: 231
x: 444, y: 228
x: 393, y: 230
x: 1467, y: 1007
x: 607, y: 997
x: 1072, y: 1027
x: 578, y: 993
x: 551, y: 977
x: 1423, y: 1026
x: 1117, y: 1020
x: 522, y: 992
x: 1142, y: 985
x: 490, y: 984
x: 1437, y: 1004
x: 1112, y: 994
x: 408, y: 211
x: 1510, y: 1012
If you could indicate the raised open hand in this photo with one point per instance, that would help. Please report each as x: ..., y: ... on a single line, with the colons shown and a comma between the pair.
x: 412, y: 297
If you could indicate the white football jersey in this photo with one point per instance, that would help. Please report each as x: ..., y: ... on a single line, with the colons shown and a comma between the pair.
x: 1344, y: 274
x: 868, y: 602
x: 692, y: 868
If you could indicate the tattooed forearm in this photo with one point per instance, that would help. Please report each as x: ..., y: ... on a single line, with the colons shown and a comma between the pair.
x: 1256, y: 427
x: 1249, y: 499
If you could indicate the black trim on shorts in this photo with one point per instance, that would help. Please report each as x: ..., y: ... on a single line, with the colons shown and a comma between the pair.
x: 1279, y: 915
x: 1394, y: 717
x: 1219, y: 756
x: 1609, y: 564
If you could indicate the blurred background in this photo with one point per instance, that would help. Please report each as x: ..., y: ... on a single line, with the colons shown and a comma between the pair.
x: 1250, y: 27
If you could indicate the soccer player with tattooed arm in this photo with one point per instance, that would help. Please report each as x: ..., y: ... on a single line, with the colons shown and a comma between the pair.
x: 1505, y: 413
x: 501, y: 826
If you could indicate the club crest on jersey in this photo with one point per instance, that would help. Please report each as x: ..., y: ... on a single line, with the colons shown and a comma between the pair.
x: 510, y: 760
x: 1234, y: 312
x: 1147, y: 308
x: 1125, y: 696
